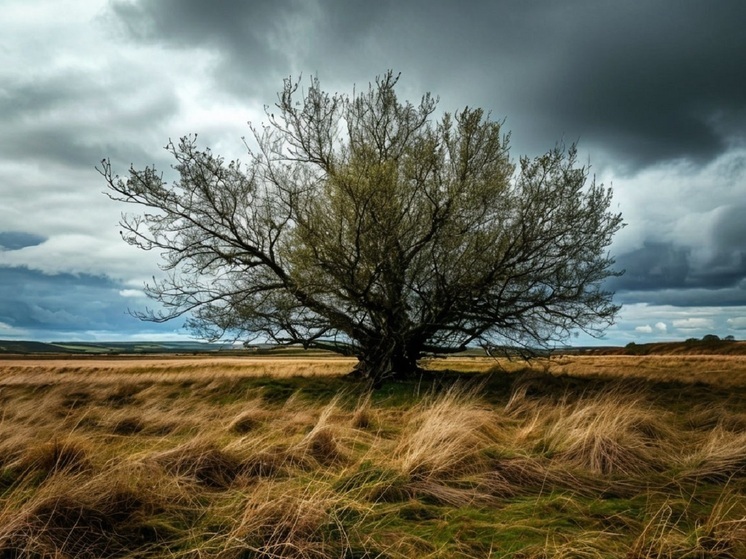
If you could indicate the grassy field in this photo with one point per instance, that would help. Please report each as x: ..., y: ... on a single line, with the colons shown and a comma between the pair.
x: 576, y: 456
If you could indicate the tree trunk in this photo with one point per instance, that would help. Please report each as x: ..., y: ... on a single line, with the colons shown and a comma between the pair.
x: 392, y: 360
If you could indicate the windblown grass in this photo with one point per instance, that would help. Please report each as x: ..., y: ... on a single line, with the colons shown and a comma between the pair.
x: 236, y: 463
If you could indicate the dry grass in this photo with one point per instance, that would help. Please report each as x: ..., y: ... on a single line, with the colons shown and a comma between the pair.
x: 669, y: 534
x: 606, y: 435
x: 719, y: 456
x: 443, y: 436
x: 292, y: 523
x: 232, y: 462
x: 718, y: 370
x: 98, y: 371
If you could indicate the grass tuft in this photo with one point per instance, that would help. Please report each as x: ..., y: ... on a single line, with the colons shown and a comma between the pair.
x: 720, y: 456
x: 443, y: 436
x: 609, y: 434
x: 203, y: 463
x: 305, y: 523
x: 66, y: 454
x: 362, y: 417
x: 90, y: 519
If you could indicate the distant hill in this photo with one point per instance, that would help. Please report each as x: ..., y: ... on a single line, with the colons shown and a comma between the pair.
x: 110, y: 348
x: 13, y: 346
x: 688, y: 347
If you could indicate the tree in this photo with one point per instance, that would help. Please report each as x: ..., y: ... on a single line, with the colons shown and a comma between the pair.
x: 364, y: 225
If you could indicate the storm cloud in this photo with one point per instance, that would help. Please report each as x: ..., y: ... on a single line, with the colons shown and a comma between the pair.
x: 65, y: 306
x: 654, y: 92
x: 644, y: 80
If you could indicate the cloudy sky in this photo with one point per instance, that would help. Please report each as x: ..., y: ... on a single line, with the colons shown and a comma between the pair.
x: 653, y: 91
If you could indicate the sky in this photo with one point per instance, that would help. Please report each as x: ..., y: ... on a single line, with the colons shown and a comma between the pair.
x: 653, y: 92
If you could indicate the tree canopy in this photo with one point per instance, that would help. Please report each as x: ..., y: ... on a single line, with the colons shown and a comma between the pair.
x: 365, y: 225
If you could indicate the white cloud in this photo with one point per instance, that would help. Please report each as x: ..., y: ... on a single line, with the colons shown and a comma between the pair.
x: 132, y: 293
x: 694, y: 324
x: 648, y: 329
x: 737, y: 323
x: 104, y: 254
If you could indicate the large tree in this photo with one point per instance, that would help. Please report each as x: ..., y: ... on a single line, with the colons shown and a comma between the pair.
x: 364, y: 225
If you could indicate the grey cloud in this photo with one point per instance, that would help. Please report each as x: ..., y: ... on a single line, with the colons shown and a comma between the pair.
x: 15, y: 240
x: 72, y: 301
x: 188, y: 23
x: 46, y: 305
x: 653, y: 266
x: 663, y: 273
x: 40, y: 96
x: 645, y: 80
x: 730, y: 230
x: 734, y: 296
x: 67, y: 147
x: 248, y: 35
x: 69, y: 119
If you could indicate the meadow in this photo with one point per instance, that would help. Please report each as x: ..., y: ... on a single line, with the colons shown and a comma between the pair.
x: 577, y: 456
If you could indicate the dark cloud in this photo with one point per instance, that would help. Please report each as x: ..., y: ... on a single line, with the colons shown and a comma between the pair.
x: 46, y: 305
x: 645, y: 80
x: 68, y: 119
x: 248, y: 35
x: 651, y: 79
x: 15, y: 240
x: 653, y: 266
x: 663, y: 273
x: 36, y: 300
x: 69, y: 148
x: 734, y: 296
x: 230, y: 24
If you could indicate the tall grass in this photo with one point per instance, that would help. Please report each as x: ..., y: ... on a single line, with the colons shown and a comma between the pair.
x: 527, y: 465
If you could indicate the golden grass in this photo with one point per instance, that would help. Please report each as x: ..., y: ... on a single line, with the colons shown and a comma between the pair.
x: 719, y: 370
x: 162, y: 369
x: 443, y: 436
x: 226, y: 459
x: 608, y: 433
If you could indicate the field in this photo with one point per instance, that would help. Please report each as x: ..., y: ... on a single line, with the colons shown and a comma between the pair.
x: 577, y: 456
